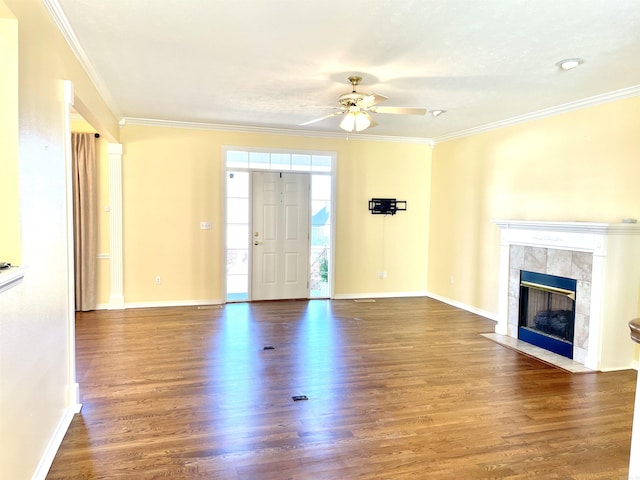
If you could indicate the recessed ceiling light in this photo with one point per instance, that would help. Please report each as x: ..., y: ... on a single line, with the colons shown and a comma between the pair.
x: 437, y: 113
x: 569, y: 63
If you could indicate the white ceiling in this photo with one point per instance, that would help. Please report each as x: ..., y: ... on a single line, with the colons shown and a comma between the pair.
x: 279, y: 63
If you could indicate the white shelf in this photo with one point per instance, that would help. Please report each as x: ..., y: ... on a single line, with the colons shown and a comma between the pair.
x: 11, y: 277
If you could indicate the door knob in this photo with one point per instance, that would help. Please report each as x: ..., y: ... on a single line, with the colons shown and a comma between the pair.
x: 257, y: 243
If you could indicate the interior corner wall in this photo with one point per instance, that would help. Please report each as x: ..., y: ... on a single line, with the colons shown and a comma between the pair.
x: 172, y: 180
x: 36, y: 325
x: 577, y: 166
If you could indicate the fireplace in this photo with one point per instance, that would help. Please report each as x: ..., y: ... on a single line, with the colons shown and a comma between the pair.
x: 604, y: 259
x: 547, y: 311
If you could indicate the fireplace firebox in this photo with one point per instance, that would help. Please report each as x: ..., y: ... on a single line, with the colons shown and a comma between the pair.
x: 547, y: 311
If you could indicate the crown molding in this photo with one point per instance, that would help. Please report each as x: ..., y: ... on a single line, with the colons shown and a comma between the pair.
x: 621, y: 94
x: 60, y: 19
x: 58, y: 16
x: 270, y: 131
x: 547, y: 112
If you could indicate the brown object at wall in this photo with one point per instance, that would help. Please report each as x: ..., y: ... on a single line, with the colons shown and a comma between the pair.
x: 634, y: 325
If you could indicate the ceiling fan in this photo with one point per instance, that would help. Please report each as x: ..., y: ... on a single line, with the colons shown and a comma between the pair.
x: 356, y: 108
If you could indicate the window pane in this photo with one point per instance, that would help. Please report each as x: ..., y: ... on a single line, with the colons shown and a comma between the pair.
x: 237, y: 284
x: 301, y: 162
x: 238, y: 210
x: 321, y: 187
x: 280, y: 161
x: 321, y: 163
x: 320, y: 236
x: 319, y: 273
x: 238, y: 184
x: 259, y: 160
x: 237, y: 159
x: 237, y: 236
x: 238, y: 262
x: 320, y: 212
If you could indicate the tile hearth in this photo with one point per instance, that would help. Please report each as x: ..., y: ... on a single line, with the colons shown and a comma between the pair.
x: 541, y: 354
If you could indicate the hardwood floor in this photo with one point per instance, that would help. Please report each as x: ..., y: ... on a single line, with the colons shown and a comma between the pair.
x: 397, y: 389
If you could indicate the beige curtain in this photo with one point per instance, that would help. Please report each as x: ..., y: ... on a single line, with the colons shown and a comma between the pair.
x: 84, y: 219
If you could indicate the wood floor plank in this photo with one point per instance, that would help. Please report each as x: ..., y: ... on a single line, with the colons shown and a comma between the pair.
x: 397, y: 389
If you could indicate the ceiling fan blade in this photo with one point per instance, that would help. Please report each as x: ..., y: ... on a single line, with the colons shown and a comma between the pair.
x: 371, y: 100
x: 373, y: 122
x: 399, y: 110
x: 334, y: 114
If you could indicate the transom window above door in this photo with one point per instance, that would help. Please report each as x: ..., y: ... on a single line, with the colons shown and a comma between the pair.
x: 277, y: 160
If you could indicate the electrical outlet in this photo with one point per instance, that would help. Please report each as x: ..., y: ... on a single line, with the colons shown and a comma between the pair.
x: 205, y: 225
x: 451, y: 280
x: 158, y: 280
x: 382, y: 275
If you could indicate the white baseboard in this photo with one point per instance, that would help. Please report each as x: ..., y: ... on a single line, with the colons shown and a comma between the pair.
x: 76, y: 406
x: 116, y: 302
x: 174, y: 303
x: 463, y: 306
x: 54, y: 444
x: 354, y: 296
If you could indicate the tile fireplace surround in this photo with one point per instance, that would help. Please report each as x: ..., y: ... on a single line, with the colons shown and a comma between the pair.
x: 604, y: 258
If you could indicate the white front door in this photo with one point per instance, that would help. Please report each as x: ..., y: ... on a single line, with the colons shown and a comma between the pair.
x: 280, y: 235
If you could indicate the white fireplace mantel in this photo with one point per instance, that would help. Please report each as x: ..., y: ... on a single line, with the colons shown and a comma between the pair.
x: 614, y: 283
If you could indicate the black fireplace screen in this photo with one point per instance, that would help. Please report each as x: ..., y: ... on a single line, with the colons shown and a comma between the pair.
x: 547, y: 311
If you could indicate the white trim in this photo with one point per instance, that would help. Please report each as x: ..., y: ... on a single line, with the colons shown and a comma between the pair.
x: 357, y: 296
x: 73, y: 393
x: 103, y: 256
x: 152, y: 122
x: 11, y: 278
x: 60, y: 19
x: 75, y: 406
x: 293, y: 151
x: 332, y: 173
x: 174, y: 303
x: 463, y: 306
x: 46, y: 460
x: 598, y: 228
x: 69, y: 35
x: 621, y: 94
x: 116, y: 279
x: 544, y: 113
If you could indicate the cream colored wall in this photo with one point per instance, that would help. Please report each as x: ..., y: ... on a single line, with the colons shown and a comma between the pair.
x: 10, y: 250
x: 172, y: 181
x: 367, y: 244
x: 582, y: 166
x: 36, y: 327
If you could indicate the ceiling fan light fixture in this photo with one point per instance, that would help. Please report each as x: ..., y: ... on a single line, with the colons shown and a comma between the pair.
x: 362, y: 122
x: 348, y: 123
x: 357, y: 121
x: 437, y: 113
x: 569, y: 63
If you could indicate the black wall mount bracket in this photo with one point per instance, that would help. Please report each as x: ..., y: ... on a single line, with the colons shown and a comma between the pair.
x: 386, y: 206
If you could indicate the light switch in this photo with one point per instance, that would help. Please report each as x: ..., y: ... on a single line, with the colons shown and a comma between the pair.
x: 205, y: 225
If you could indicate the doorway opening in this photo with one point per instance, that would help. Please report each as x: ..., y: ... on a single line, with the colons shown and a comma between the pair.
x: 243, y: 168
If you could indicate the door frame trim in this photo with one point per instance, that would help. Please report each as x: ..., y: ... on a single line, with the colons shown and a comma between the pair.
x: 332, y: 173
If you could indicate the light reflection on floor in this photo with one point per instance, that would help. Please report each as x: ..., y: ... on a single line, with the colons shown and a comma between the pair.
x: 240, y: 368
